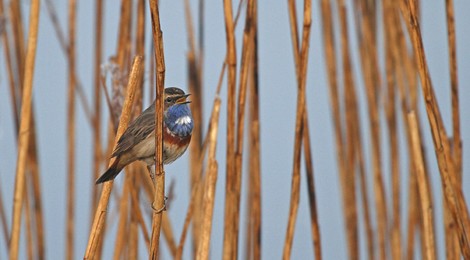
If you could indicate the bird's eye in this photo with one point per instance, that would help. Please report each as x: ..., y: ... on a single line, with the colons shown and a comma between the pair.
x: 168, y: 100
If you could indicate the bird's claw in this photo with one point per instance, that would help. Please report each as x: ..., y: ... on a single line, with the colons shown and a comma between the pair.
x: 160, y: 210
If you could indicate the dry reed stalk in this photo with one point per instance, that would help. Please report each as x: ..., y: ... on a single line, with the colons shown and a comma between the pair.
x: 236, y: 181
x: 28, y: 220
x: 301, y: 72
x: 166, y: 226
x: 397, y: 54
x: 230, y: 245
x: 151, y: 93
x: 168, y: 234
x: 98, y: 57
x: 18, y: 40
x: 371, y: 75
x: 36, y: 190
x: 423, y: 188
x: 100, y: 215
x: 121, y: 238
x: 451, y: 235
x: 452, y: 191
x: 413, y: 217
x: 132, y: 251
x: 329, y: 40
x: 194, y: 64
x: 70, y: 215
x: 199, y: 183
x: 315, y: 227
x: 124, y: 34
x: 210, y: 182
x: 306, y: 137
x: 14, y: 95
x: 254, y: 185
x: 390, y: 111
x: 456, y: 142
x: 352, y: 132
x: 24, y: 132
x: 208, y: 208
x: 452, y: 243
x: 159, y: 181
x: 138, y: 215
x: 139, y: 49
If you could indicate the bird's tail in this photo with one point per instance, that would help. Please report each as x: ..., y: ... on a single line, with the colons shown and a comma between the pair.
x: 110, y: 174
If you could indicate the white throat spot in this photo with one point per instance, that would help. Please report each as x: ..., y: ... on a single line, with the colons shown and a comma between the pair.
x: 184, y: 120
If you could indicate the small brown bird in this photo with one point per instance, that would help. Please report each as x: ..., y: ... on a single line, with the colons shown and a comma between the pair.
x: 138, y: 141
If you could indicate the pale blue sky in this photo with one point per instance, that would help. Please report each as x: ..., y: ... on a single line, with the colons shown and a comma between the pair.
x: 278, y: 97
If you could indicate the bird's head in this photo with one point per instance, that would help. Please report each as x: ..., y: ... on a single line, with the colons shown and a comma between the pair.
x: 177, y: 115
x: 175, y: 96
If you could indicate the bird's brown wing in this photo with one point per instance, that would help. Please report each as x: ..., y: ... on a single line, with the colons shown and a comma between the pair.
x: 137, y: 131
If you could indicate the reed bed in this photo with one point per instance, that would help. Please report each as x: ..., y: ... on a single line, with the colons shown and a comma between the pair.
x: 383, y: 47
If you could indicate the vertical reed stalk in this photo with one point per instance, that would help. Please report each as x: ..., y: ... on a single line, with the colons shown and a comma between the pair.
x: 315, y: 227
x: 98, y: 56
x: 28, y: 220
x: 424, y: 191
x: 254, y: 188
x: 452, y: 247
x: 369, y: 62
x: 24, y: 132
x: 301, y: 72
x: 100, y: 214
x: 390, y: 111
x: 122, y: 240
x: 70, y: 218
x: 230, y: 250
x: 194, y: 67
x: 159, y: 181
x: 14, y: 95
x: 18, y: 40
x: 352, y: 132
x: 453, y: 193
x: 247, y: 49
x: 203, y: 249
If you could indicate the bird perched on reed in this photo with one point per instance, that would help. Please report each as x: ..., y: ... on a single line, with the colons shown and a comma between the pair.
x: 138, y: 141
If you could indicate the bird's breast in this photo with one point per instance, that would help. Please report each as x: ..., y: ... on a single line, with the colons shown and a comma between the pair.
x: 174, y: 145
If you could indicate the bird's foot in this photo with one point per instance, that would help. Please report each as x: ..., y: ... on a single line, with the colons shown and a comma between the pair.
x: 160, y: 210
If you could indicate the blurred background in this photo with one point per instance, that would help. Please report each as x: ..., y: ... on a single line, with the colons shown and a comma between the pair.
x: 277, y: 106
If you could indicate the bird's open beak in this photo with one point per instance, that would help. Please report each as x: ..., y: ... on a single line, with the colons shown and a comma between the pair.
x: 182, y: 99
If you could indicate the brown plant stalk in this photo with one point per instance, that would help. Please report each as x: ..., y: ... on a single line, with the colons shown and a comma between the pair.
x: 24, y: 133
x: 70, y: 216
x: 159, y: 181
x: 301, y: 72
x: 194, y: 68
x: 369, y: 62
x: 452, y: 192
x: 424, y: 191
x: 210, y: 182
x: 230, y: 245
x: 352, y: 133
x: 98, y: 57
x: 253, y: 228
x: 100, y: 214
x: 452, y: 243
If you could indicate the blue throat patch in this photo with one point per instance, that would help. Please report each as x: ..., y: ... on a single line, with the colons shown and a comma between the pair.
x: 173, y: 120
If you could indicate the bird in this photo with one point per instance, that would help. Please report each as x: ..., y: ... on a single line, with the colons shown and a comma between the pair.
x: 138, y: 140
